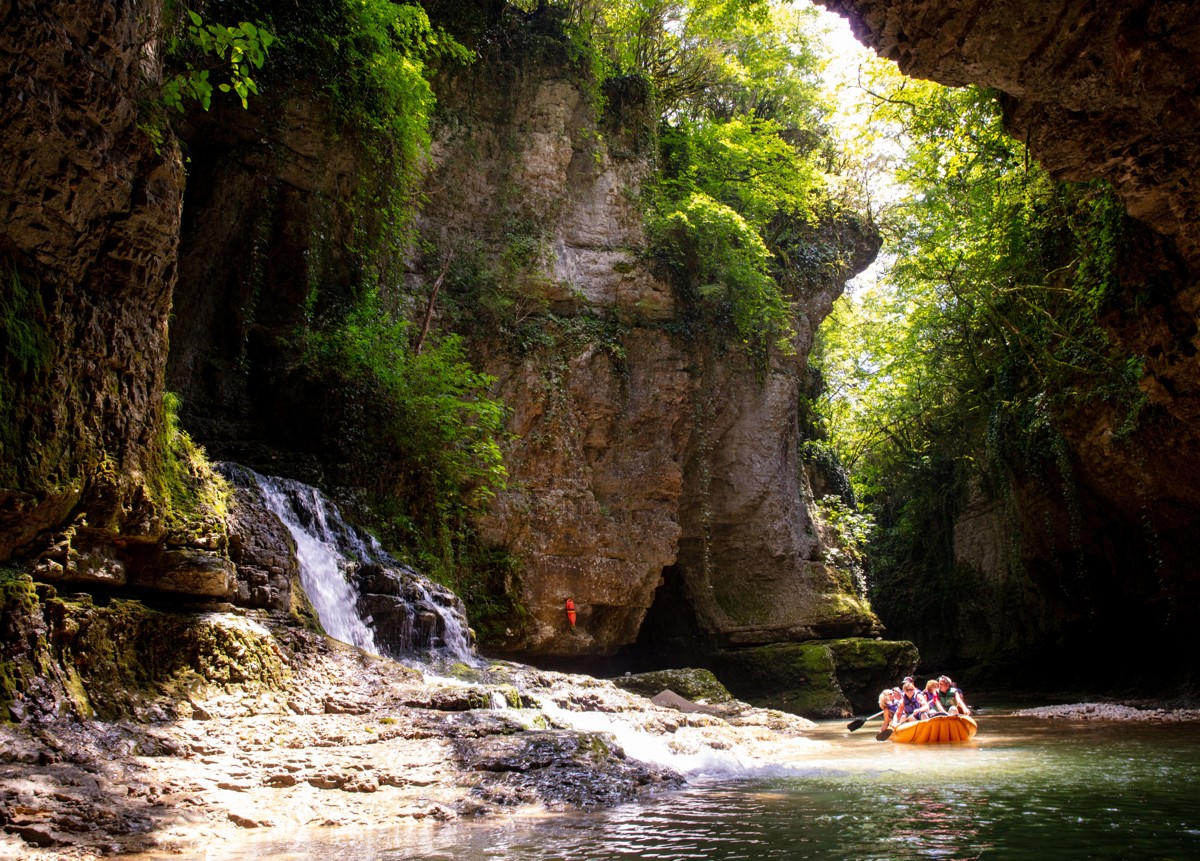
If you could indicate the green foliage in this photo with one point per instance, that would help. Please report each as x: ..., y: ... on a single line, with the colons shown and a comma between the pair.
x: 203, y: 48
x: 372, y: 60
x: 736, y: 84
x: 724, y: 260
x: 488, y: 579
x: 194, y: 498
x: 852, y: 529
x: 429, y: 451
x: 957, y: 370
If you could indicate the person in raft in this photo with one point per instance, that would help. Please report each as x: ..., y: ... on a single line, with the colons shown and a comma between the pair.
x: 950, y: 698
x: 889, y: 702
x: 931, y: 697
x: 913, y: 705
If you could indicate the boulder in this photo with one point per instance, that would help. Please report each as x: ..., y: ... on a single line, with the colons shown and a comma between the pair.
x: 696, y: 684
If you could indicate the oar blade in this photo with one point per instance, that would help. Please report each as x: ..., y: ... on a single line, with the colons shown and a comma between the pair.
x: 883, y: 735
x: 855, y: 724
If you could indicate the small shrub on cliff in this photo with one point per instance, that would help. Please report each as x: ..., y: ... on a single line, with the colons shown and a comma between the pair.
x: 424, y: 437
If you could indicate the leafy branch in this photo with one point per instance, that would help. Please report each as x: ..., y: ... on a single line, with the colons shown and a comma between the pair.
x: 207, y: 48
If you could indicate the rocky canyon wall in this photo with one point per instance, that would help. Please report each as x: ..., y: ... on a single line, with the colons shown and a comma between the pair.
x: 87, y: 250
x: 639, y: 445
x: 640, y: 442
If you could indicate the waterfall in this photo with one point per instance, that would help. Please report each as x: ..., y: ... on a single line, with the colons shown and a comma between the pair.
x: 361, y: 594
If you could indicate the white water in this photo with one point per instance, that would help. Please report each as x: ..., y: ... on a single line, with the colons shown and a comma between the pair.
x: 327, y: 548
x: 319, y: 556
x: 689, y: 750
x: 456, y: 641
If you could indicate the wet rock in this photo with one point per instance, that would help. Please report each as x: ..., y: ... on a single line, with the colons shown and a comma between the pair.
x: 692, y: 683
x: 263, y: 551
x: 668, y: 699
x: 559, y: 768
x: 1111, y: 712
x: 407, y: 612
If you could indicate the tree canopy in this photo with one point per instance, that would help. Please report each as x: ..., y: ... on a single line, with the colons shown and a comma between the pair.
x: 957, y: 366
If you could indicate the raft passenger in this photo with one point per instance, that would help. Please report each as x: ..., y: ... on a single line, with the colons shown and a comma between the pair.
x: 888, y: 704
x: 912, y: 705
x: 950, y: 697
x: 935, y: 704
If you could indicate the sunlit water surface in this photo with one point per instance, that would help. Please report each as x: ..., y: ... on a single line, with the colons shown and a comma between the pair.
x: 1024, y: 789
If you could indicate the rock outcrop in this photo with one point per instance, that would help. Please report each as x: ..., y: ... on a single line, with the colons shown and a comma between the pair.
x: 639, y: 445
x: 87, y: 250
x: 245, y: 722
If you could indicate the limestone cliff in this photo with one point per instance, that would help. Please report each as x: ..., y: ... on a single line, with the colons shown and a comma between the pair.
x: 640, y: 445
x: 87, y: 252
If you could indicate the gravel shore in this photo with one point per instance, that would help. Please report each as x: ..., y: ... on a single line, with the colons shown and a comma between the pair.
x: 1110, y: 712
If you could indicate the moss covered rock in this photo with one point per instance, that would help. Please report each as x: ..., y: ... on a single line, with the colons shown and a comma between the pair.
x: 697, y: 685
x: 816, y: 679
x: 70, y: 655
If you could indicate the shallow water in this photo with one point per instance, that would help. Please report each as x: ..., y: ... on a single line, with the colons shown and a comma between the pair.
x: 1023, y: 789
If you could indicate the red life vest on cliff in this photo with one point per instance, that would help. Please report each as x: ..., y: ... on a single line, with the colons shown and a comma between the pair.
x: 571, y: 612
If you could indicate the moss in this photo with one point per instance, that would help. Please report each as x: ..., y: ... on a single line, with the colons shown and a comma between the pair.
x: 741, y: 605
x: 692, y: 683
x: 194, y: 498
x: 795, y: 677
x: 109, y: 661
x: 511, y: 696
x: 465, y: 672
x: 821, y: 678
x: 18, y: 609
x: 26, y: 354
x: 596, y: 746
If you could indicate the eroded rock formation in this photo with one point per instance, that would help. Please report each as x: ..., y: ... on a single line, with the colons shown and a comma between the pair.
x: 87, y: 250
x: 640, y: 445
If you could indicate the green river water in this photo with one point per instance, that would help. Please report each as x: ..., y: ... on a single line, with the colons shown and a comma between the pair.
x: 1023, y: 789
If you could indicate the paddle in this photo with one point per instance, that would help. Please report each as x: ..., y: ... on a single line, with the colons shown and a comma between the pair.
x: 883, y: 734
x: 858, y: 722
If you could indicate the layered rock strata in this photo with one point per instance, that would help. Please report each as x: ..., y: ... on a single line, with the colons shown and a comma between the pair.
x: 639, y: 445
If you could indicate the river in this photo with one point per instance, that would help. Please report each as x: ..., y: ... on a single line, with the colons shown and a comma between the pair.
x: 1023, y: 789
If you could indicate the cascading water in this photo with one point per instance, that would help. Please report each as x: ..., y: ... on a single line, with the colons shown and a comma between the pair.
x: 361, y: 594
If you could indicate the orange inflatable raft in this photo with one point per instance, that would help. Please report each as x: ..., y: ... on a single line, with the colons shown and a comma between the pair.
x: 939, y: 730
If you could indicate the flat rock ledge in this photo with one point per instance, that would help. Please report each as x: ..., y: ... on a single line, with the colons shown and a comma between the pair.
x: 1110, y: 712
x: 346, y: 741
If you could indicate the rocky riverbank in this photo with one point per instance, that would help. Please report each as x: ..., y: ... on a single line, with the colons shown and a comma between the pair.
x: 1111, y: 712
x: 341, y: 740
